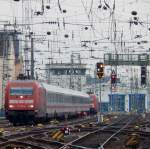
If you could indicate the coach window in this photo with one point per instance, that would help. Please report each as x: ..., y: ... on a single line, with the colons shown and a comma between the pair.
x: 65, y: 99
x: 68, y: 99
x: 62, y: 98
x: 53, y: 100
x: 83, y: 100
x: 79, y: 100
x: 48, y: 97
x: 71, y: 99
x: 56, y: 98
x: 59, y: 98
x: 74, y: 99
x: 89, y: 100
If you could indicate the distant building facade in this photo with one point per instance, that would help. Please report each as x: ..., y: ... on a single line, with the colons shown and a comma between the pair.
x: 66, y: 75
x: 10, y: 59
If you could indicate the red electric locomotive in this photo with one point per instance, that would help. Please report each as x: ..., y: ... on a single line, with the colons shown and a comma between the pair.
x: 29, y: 100
x: 24, y: 100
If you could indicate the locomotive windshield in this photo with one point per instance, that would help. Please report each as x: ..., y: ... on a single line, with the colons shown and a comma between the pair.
x: 21, y: 91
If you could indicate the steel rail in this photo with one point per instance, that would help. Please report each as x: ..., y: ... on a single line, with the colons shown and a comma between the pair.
x: 102, y: 145
x: 90, y: 133
x: 22, y: 143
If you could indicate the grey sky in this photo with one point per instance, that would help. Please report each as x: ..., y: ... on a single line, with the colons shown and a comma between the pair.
x: 80, y: 14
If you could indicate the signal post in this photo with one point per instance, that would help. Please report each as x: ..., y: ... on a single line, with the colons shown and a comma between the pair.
x: 100, y: 74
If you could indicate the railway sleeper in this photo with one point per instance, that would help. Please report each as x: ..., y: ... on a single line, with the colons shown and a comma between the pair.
x: 48, y: 142
x: 19, y: 143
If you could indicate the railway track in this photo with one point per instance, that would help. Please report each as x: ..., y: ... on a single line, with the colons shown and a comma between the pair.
x: 86, y: 140
x: 5, y: 123
x: 99, y: 136
x: 25, y: 139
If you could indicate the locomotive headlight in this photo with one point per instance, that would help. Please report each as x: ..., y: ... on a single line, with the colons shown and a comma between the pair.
x: 21, y: 97
x: 31, y: 106
x: 11, y: 106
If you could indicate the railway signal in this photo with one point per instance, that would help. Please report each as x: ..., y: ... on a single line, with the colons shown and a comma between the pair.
x: 100, y: 70
x: 113, y: 78
x: 143, y: 75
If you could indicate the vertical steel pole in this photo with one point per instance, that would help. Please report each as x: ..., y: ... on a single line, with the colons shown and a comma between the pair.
x: 32, y: 59
x: 3, y: 72
x: 48, y: 67
x: 99, y: 112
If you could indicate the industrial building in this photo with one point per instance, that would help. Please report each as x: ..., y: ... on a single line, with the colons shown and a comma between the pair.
x: 137, y: 103
x: 66, y: 75
x: 117, y: 102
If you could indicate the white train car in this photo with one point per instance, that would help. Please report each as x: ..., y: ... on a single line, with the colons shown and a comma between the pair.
x: 62, y: 101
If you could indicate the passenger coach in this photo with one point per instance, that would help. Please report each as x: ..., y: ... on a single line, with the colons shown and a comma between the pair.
x: 27, y: 100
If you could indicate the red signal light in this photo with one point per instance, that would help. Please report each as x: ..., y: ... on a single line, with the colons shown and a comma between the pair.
x: 113, y: 78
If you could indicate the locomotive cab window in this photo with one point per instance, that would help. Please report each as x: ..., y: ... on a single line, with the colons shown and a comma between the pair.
x: 21, y: 91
